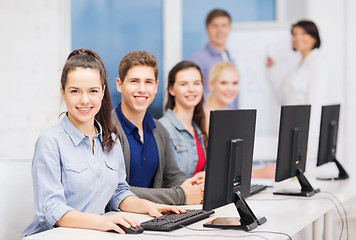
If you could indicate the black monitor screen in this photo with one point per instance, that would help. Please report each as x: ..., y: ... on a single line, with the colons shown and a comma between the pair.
x: 293, y: 141
x: 328, y: 134
x: 292, y: 149
x: 231, y: 135
x: 329, y: 126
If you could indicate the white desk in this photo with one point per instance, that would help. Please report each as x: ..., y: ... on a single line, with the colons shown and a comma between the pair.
x: 284, y: 214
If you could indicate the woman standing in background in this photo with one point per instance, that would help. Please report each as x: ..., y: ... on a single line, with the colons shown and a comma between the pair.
x: 308, y: 82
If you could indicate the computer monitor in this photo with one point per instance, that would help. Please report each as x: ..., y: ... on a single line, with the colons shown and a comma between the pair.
x: 292, y: 149
x: 329, y: 126
x: 229, y: 164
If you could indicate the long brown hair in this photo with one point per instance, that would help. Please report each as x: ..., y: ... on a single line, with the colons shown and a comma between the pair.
x: 86, y: 58
x: 199, y: 114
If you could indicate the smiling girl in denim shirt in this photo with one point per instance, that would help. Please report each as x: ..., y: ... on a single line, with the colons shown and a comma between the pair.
x: 184, y: 118
x: 78, y: 167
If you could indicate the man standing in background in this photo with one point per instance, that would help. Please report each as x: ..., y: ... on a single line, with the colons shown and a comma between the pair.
x: 218, y: 25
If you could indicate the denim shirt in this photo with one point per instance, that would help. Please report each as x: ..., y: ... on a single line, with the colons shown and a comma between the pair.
x: 68, y: 175
x: 183, y: 143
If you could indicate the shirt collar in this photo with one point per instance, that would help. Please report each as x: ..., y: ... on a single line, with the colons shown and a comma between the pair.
x: 75, y: 134
x: 100, y: 130
x: 178, y: 124
x: 125, y: 123
x: 313, y: 53
x: 213, y: 51
x: 174, y: 120
x: 148, y: 122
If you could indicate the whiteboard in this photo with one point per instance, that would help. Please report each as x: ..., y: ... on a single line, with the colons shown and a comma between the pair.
x: 249, y: 46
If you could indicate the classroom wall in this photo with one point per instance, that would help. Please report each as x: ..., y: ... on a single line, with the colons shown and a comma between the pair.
x: 334, y: 36
x: 35, y: 40
x: 350, y: 77
x: 114, y: 28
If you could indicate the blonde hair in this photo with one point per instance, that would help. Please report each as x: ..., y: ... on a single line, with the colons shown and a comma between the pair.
x: 217, y: 69
x: 220, y: 67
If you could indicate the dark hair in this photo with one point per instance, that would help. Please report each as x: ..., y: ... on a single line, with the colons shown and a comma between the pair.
x: 86, y: 58
x: 311, y: 29
x: 199, y: 114
x: 216, y: 13
x: 137, y: 58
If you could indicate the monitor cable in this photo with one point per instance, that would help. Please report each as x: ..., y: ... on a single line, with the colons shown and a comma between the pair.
x: 343, y: 223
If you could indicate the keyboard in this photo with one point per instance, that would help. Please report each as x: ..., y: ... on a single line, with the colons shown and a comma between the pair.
x: 173, y: 221
x: 256, y: 188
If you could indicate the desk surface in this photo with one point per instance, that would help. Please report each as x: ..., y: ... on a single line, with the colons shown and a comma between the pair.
x: 284, y: 214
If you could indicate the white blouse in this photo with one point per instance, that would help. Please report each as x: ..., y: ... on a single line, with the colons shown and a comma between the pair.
x: 308, y: 83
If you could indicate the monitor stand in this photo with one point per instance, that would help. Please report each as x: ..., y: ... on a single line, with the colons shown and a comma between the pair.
x: 342, y: 173
x: 247, y: 220
x: 306, y: 191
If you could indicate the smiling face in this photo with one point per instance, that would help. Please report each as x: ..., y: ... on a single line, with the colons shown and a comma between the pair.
x: 83, y: 94
x: 218, y: 30
x: 138, y: 89
x: 301, y: 40
x: 226, y: 86
x: 187, y: 88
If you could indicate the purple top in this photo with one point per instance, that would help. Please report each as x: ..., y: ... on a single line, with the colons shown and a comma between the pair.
x: 206, y: 58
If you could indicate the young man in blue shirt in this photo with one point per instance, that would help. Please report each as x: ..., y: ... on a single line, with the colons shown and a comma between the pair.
x: 151, y: 169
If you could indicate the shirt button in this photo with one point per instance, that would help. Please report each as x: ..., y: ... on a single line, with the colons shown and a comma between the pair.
x: 98, y: 177
x: 144, y: 158
x: 96, y: 194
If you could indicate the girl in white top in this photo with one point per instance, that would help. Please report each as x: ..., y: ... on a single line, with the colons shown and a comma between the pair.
x: 308, y: 82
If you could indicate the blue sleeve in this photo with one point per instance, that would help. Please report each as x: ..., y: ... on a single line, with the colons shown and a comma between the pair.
x: 50, y: 202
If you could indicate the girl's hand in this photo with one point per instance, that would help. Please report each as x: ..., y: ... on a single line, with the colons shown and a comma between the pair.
x: 200, y: 176
x: 194, y: 192
x: 109, y: 222
x: 156, y: 210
